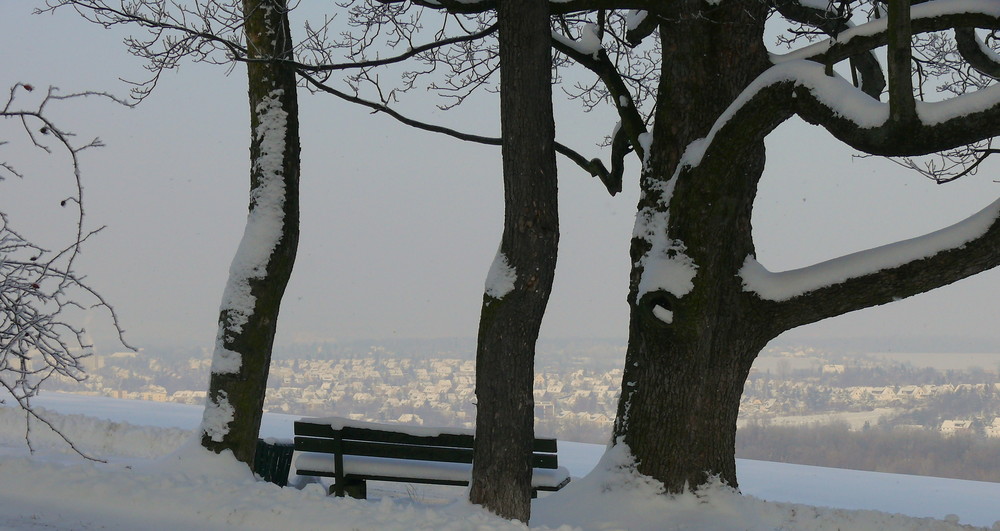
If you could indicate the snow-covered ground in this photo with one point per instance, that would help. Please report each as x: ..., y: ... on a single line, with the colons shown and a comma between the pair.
x: 157, y: 478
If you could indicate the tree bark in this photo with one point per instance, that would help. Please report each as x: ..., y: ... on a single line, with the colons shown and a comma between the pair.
x: 691, y: 345
x: 263, y: 264
x: 520, y: 280
x: 689, y: 354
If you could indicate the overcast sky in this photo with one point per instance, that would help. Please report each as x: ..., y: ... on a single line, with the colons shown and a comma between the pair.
x: 399, y: 226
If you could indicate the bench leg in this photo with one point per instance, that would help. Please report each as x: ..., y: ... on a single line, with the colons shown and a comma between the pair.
x: 356, y: 488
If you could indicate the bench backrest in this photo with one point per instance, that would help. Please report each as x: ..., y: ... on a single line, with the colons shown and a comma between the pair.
x: 447, y: 447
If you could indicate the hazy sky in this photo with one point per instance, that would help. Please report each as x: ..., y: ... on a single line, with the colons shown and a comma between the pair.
x: 399, y: 226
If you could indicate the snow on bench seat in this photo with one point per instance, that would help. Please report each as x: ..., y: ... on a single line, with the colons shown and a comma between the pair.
x: 339, y: 423
x: 363, y: 466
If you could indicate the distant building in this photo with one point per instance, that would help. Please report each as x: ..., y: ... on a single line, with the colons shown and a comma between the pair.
x: 911, y: 392
x: 884, y: 394
x: 410, y: 418
x: 156, y: 393
x: 189, y: 397
x: 993, y: 430
x: 954, y: 427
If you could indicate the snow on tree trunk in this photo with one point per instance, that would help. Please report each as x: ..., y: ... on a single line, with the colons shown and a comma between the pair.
x: 263, y: 263
x: 520, y: 279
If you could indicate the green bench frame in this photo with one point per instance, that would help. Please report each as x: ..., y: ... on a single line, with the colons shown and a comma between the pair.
x: 377, y: 441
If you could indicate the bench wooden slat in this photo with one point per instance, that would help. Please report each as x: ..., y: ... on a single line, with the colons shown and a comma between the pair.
x: 310, y: 444
x: 545, y: 446
x: 394, y: 451
x: 545, y: 461
x: 412, y: 452
x: 317, y: 473
x: 446, y: 439
x: 424, y: 481
x: 350, y: 432
x: 416, y: 453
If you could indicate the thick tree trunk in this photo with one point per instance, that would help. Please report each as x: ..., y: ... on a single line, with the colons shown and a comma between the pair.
x: 520, y: 280
x: 690, y: 349
x: 694, y: 331
x: 263, y: 263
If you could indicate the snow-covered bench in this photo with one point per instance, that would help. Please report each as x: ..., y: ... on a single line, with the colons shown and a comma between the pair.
x: 353, y: 452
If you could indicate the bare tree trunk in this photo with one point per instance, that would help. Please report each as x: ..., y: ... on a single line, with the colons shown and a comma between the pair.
x: 262, y: 266
x: 520, y: 280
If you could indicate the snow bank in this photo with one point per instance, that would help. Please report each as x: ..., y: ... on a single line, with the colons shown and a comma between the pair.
x: 95, y: 437
x: 180, y: 486
x: 194, y: 489
x: 615, y: 496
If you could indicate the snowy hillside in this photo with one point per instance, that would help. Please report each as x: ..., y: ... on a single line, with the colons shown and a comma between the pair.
x: 156, y: 479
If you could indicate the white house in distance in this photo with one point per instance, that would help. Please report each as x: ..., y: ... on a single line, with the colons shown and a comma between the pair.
x: 993, y: 430
x: 834, y: 369
x: 952, y: 427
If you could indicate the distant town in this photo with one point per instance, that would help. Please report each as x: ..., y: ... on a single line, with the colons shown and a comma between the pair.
x: 576, y: 387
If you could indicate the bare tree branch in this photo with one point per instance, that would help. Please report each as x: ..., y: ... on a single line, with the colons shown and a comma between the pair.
x: 38, y: 286
x: 632, y: 123
x: 949, y: 166
x: 200, y: 30
x: 593, y: 166
x: 412, y: 52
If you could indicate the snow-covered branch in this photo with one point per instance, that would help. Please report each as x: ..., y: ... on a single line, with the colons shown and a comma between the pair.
x: 953, y: 129
x: 556, y: 7
x: 939, y: 126
x: 938, y: 15
x: 826, y: 18
x: 39, y: 289
x: 863, y: 122
x: 877, y: 276
x: 976, y: 53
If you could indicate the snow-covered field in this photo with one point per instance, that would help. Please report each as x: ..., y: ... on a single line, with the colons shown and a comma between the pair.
x: 855, y: 419
x: 156, y: 478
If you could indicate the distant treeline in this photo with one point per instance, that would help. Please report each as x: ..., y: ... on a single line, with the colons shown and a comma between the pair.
x: 888, y: 372
x: 919, y: 452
